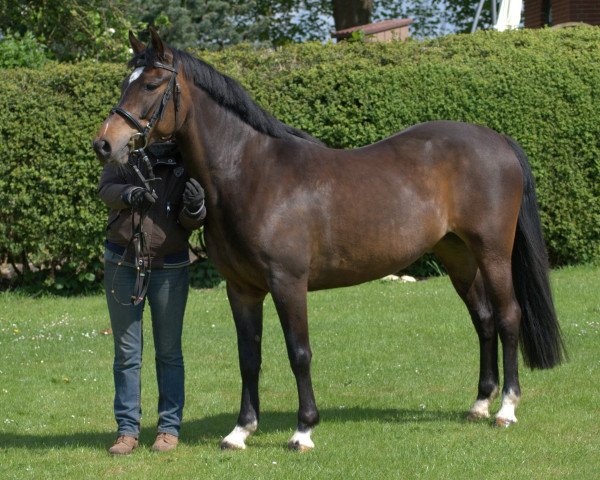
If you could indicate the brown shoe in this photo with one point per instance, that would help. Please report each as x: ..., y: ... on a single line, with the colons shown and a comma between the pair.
x: 123, y: 445
x: 165, y: 442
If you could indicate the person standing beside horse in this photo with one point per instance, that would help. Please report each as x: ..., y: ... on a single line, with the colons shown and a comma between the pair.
x: 146, y: 255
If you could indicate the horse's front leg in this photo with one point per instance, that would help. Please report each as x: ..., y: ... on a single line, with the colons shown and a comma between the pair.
x: 289, y: 295
x: 248, y: 316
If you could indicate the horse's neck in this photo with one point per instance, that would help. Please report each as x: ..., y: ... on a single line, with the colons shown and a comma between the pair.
x: 214, y: 145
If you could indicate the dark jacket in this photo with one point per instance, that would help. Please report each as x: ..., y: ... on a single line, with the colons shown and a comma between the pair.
x: 167, y: 224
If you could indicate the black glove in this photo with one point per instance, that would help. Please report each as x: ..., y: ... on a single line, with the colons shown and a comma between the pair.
x: 193, y: 197
x: 139, y: 198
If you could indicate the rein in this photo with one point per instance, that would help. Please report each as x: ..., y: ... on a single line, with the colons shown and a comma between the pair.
x: 141, y: 244
x: 142, y: 258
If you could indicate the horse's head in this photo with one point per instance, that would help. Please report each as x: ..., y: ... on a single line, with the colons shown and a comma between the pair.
x: 149, y: 108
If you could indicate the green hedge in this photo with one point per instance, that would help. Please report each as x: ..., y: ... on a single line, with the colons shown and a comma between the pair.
x: 542, y: 87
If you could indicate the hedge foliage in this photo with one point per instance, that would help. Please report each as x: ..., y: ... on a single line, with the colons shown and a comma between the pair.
x: 542, y: 87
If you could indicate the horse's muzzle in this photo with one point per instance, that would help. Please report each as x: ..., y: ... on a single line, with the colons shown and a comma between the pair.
x: 102, y: 148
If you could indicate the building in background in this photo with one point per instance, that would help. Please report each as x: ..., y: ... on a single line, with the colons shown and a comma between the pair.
x: 539, y: 13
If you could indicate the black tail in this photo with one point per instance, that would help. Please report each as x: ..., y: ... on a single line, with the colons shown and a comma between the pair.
x: 541, y: 341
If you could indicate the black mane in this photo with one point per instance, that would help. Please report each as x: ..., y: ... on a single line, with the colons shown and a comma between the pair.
x: 228, y: 93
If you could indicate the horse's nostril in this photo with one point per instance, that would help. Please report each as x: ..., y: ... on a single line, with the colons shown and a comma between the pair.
x: 102, y: 149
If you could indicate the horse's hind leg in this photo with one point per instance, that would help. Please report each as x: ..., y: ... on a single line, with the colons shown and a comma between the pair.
x: 483, y: 320
x: 496, y: 270
x: 468, y: 282
x: 247, y: 314
x: 289, y: 295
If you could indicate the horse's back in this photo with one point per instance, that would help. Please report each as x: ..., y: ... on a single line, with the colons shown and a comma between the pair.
x: 458, y: 167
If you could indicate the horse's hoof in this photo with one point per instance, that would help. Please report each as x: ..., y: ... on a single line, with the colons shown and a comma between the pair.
x: 236, y: 440
x: 301, y: 441
x: 504, y: 422
x: 229, y: 445
x: 298, y: 447
x: 477, y: 416
x: 480, y: 410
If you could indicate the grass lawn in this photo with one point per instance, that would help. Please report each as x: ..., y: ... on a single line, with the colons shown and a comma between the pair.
x: 394, y: 369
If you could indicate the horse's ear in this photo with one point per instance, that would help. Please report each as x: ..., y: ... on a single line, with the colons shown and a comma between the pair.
x: 157, y: 42
x: 136, y: 45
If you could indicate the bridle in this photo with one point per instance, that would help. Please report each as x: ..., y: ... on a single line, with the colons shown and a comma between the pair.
x: 142, y: 259
x: 173, y: 89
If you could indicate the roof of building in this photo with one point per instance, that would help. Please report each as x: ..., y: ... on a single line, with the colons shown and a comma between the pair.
x: 372, y: 28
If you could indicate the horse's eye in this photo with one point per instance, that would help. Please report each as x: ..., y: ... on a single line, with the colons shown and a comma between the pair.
x: 151, y: 86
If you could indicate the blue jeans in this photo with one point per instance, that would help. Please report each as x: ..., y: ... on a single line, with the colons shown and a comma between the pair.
x: 167, y: 295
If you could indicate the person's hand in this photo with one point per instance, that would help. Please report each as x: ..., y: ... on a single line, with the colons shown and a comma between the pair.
x: 139, y: 198
x: 193, y: 197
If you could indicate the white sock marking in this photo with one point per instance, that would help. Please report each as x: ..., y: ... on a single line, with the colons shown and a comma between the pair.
x: 302, y: 439
x: 481, y: 408
x: 237, y: 438
x: 507, y: 410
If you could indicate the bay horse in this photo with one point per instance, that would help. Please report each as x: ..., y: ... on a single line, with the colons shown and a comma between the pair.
x: 288, y: 215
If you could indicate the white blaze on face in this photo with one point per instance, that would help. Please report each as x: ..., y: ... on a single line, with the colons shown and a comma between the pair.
x: 136, y: 73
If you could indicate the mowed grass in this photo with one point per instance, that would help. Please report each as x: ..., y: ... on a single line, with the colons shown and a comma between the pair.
x: 394, y: 369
